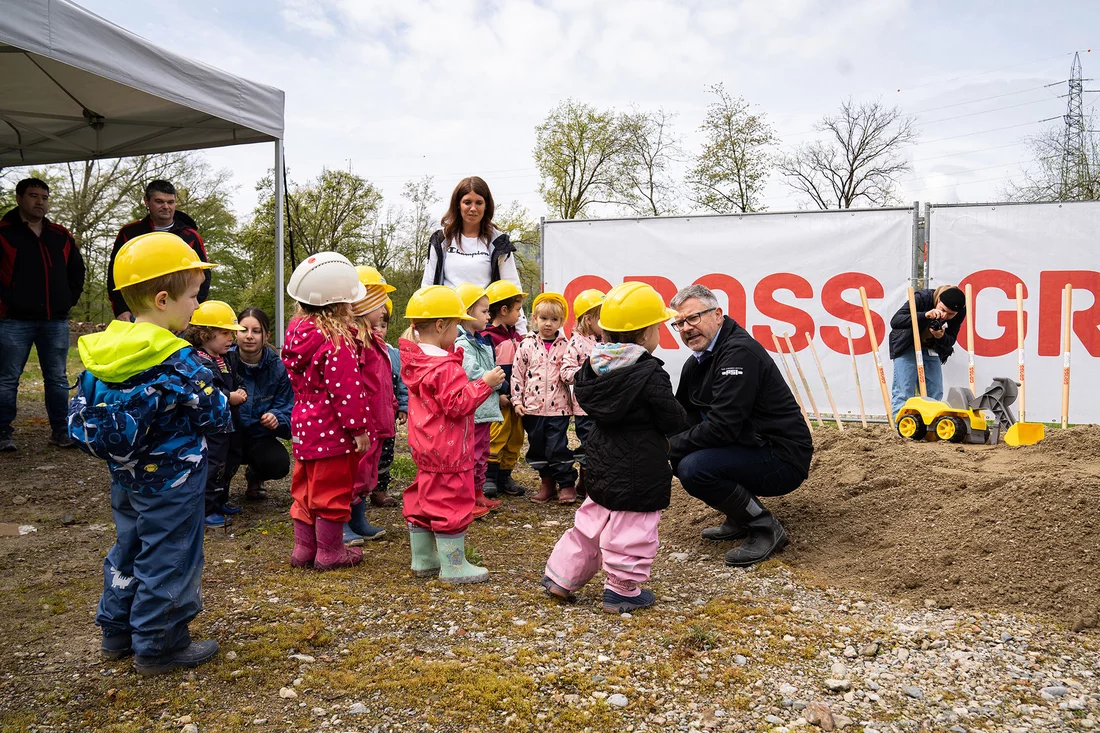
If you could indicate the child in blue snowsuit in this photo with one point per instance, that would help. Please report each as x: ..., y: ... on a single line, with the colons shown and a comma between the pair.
x: 145, y: 405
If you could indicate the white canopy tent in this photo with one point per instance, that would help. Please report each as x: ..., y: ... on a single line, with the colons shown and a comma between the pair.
x: 74, y: 86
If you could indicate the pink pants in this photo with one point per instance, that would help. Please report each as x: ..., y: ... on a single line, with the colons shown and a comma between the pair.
x: 440, y: 502
x: 366, y: 475
x: 481, y: 454
x: 625, y: 543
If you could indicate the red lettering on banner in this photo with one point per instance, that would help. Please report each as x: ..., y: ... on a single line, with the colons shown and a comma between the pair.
x: 835, y: 305
x: 1006, y: 319
x: 734, y: 291
x: 667, y: 289
x: 574, y: 288
x: 1086, y: 323
x: 764, y: 299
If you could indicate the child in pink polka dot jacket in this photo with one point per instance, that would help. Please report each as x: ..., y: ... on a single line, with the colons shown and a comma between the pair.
x: 329, y: 423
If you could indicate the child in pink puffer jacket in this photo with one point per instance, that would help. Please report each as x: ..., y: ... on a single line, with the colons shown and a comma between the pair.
x: 544, y: 401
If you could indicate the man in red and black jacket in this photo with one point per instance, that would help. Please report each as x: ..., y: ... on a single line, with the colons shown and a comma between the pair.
x: 160, y: 199
x: 41, y: 278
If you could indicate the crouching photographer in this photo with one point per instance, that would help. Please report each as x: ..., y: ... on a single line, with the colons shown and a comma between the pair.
x: 940, y: 313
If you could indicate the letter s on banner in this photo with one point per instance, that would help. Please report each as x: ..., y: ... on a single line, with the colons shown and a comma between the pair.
x: 764, y: 299
x: 833, y: 302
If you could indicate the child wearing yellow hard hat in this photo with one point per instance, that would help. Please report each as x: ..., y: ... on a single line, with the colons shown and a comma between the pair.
x: 628, y: 394
x: 505, y: 437
x: 211, y: 330
x: 543, y: 400
x: 439, y: 505
x: 586, y: 334
x: 147, y: 405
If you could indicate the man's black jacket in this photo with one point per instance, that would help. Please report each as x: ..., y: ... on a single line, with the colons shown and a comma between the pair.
x: 41, y: 278
x: 626, y: 454
x: 737, y: 396
x: 183, y: 226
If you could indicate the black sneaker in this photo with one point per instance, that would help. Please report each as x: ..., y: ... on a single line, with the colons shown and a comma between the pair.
x: 116, y: 646
x: 62, y: 440
x: 507, y: 486
x: 198, y: 652
x: 7, y: 445
x: 614, y: 603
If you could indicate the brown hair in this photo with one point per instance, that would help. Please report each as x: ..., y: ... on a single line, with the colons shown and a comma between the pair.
x: 452, y: 220
x: 334, y: 321
x: 495, y: 308
x: 587, y: 320
x: 139, y: 296
x: 261, y: 318
x: 624, y: 337
x: 199, y: 335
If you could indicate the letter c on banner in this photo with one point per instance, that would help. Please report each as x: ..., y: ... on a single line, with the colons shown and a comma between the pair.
x: 574, y: 288
x: 801, y: 321
x: 833, y: 301
x: 1006, y: 319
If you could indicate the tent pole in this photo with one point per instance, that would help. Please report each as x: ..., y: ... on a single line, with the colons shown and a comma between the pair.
x: 280, y: 323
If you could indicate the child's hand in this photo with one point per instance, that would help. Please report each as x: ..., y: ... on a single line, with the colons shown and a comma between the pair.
x: 493, y: 377
x: 505, y: 403
x: 237, y: 397
x: 269, y: 421
x: 362, y: 443
x: 402, y: 418
x: 518, y: 409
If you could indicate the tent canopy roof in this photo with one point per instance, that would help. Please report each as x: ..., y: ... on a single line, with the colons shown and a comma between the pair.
x: 77, y: 87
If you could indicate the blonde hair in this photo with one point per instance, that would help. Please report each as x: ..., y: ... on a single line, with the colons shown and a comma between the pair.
x: 139, y: 296
x: 587, y: 321
x: 940, y: 290
x: 335, y: 321
x: 554, y: 308
x: 410, y: 334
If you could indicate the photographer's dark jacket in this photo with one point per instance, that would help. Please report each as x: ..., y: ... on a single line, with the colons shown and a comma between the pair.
x: 41, y: 278
x: 901, y: 335
x: 736, y: 396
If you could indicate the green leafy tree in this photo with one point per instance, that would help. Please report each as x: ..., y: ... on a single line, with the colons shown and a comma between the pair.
x: 523, y: 230
x: 732, y: 168
x: 1061, y: 169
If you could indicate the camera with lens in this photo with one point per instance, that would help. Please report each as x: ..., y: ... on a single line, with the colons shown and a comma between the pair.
x: 935, y: 324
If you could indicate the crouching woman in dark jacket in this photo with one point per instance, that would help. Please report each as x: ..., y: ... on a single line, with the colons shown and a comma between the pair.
x: 940, y: 313
x: 265, y: 416
x: 629, y: 397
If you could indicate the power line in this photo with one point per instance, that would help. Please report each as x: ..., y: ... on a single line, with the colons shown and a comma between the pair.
x: 987, y: 111
x: 985, y: 99
x: 995, y: 129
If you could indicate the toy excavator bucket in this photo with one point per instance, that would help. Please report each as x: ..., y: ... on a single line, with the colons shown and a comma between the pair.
x: 1025, y: 433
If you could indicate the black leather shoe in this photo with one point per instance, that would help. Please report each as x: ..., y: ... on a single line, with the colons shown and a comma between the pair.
x: 198, y: 652
x: 727, y: 531
x: 766, y: 536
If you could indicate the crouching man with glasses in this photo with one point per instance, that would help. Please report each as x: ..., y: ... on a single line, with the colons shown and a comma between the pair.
x: 748, y: 438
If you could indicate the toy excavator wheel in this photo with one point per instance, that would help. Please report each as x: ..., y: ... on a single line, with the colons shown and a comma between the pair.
x: 949, y: 428
x: 911, y: 426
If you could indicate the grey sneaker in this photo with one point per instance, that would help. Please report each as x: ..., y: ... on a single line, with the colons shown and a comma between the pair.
x: 7, y: 445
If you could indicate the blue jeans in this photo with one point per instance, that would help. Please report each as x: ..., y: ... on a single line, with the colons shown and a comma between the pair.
x: 713, y: 474
x: 51, y: 339
x: 151, y: 575
x: 905, y: 378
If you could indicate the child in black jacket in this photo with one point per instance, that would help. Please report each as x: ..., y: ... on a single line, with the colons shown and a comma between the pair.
x: 628, y: 395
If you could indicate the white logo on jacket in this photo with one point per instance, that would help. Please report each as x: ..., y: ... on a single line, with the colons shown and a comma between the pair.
x: 731, y: 372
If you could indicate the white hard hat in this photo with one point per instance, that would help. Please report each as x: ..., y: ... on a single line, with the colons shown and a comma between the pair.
x: 325, y: 278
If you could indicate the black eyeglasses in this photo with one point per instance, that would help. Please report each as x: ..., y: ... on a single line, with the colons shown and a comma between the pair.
x: 692, y: 320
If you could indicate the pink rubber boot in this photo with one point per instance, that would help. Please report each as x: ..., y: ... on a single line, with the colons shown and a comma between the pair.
x: 331, y: 551
x: 305, y: 545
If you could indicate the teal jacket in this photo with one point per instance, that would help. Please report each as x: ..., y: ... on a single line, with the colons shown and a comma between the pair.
x: 478, y: 357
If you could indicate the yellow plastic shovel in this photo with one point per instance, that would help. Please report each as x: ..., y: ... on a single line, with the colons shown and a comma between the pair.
x: 1022, y: 432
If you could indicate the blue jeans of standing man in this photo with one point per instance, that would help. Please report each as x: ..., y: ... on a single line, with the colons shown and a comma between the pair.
x: 51, y: 339
x: 905, y: 378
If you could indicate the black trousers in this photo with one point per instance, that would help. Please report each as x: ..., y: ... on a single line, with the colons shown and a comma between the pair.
x: 266, y: 458
x: 583, y: 425
x: 223, y: 458
x: 548, y: 448
x: 385, y: 460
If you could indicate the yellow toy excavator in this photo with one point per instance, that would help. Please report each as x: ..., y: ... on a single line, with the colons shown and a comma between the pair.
x: 963, y: 416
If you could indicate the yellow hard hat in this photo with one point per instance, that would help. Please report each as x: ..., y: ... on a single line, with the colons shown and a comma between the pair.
x: 632, y: 306
x: 502, y: 290
x: 553, y: 298
x: 154, y: 254
x: 435, y: 301
x: 586, y: 301
x: 470, y: 294
x: 371, y: 276
x: 216, y: 314
x: 389, y: 307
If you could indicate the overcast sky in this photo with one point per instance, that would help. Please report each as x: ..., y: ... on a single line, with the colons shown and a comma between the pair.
x: 397, y: 89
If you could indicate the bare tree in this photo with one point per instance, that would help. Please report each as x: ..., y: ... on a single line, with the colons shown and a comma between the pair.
x: 384, y: 245
x: 859, y: 159
x: 1061, y: 169
x: 730, y: 171
x: 651, y: 149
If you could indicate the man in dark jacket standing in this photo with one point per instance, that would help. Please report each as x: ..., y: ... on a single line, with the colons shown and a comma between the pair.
x: 41, y: 278
x: 160, y: 199
x: 748, y: 437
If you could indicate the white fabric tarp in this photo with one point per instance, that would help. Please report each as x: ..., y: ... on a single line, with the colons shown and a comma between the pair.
x: 1044, y: 246
x: 75, y: 87
x: 792, y: 273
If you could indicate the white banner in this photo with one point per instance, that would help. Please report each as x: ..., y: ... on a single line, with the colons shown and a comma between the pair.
x: 793, y: 274
x: 1045, y: 247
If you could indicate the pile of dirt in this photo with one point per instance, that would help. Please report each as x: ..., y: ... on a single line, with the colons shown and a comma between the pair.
x: 990, y: 527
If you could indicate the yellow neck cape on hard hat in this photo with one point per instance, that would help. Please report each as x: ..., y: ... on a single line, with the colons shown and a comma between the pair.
x: 633, y: 306
x: 502, y: 290
x: 586, y: 301
x: 216, y: 314
x: 371, y: 276
x: 551, y: 298
x: 434, y: 302
x: 152, y: 255
x: 470, y: 294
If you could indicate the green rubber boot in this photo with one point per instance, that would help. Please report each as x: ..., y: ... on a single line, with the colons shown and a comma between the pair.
x: 453, y: 567
x: 425, y: 562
